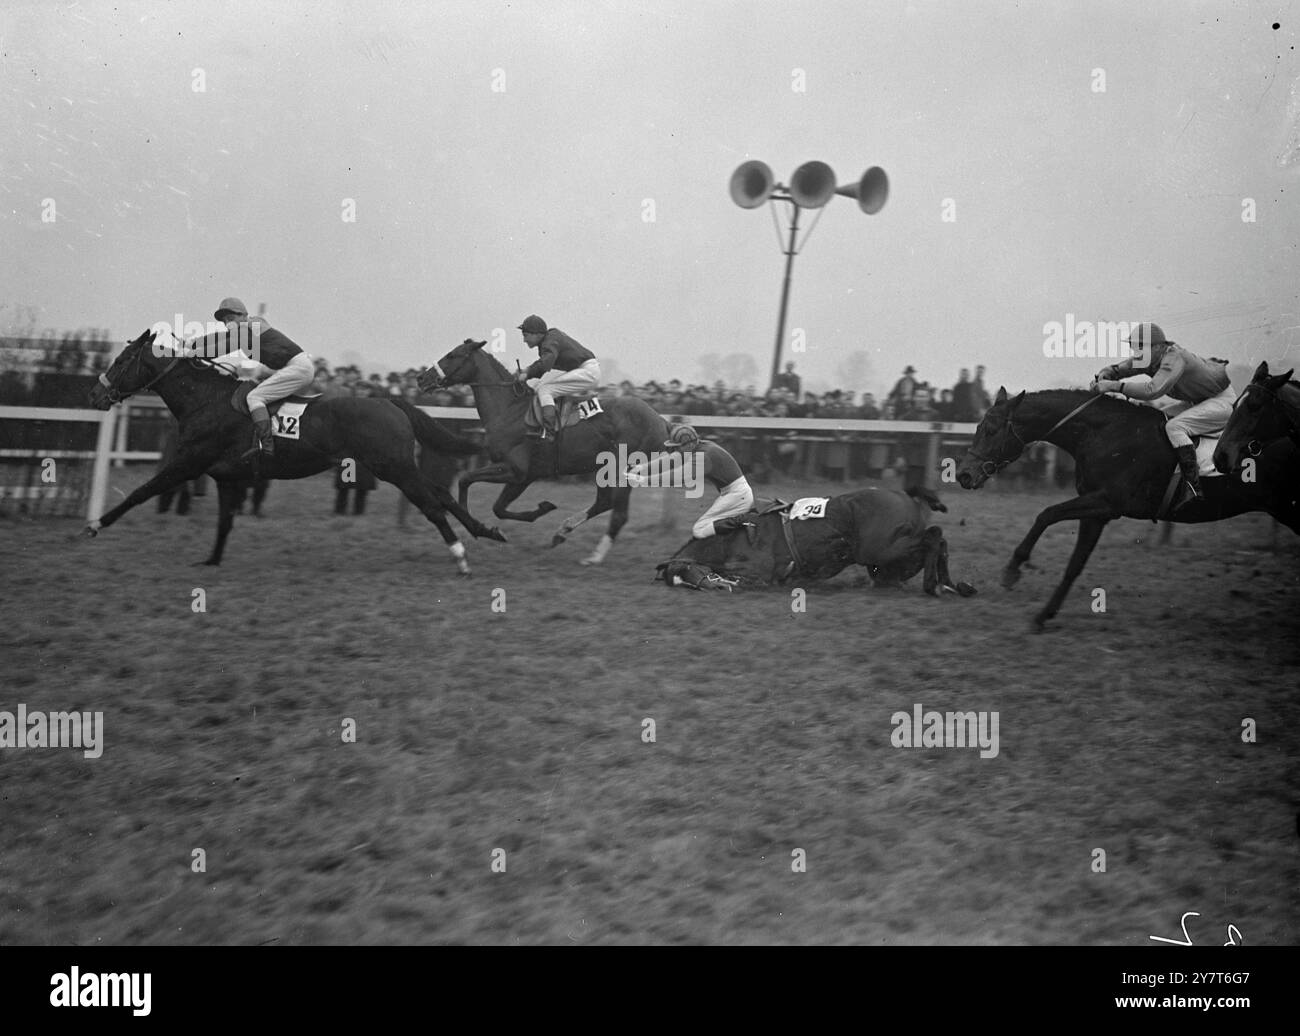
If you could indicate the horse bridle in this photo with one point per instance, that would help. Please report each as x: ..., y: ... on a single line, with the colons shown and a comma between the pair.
x: 990, y: 467
x: 517, y: 387
x: 114, y: 396
x: 1254, y: 447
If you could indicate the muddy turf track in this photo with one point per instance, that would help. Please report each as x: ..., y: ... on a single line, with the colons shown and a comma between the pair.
x: 522, y: 731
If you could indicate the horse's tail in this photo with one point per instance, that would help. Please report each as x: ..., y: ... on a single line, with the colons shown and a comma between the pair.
x: 434, y: 435
x: 927, y: 496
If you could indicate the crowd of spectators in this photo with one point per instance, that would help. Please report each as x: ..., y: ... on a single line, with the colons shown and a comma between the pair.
x: 910, y: 399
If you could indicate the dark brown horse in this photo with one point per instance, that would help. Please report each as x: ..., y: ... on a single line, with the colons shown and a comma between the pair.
x: 379, y: 433
x: 583, y: 448
x: 1123, y: 465
x: 1267, y: 411
x: 884, y: 530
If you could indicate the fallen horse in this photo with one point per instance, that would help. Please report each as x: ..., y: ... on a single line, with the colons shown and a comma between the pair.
x: 883, y: 530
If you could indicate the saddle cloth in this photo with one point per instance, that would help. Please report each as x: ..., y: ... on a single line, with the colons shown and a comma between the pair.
x: 569, y: 410
x: 239, y: 400
x: 809, y: 507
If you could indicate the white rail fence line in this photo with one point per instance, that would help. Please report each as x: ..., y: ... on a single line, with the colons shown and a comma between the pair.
x: 114, y: 424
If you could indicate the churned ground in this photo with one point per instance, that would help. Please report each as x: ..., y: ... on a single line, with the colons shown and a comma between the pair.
x: 517, y: 736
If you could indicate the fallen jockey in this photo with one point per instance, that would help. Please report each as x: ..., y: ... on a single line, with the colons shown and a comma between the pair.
x: 1201, y: 392
x: 735, y: 498
x: 564, y: 367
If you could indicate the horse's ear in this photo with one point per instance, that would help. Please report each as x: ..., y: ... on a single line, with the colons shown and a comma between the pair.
x: 1278, y: 380
x: 1016, y: 401
x: 1002, y: 395
x: 1261, y: 372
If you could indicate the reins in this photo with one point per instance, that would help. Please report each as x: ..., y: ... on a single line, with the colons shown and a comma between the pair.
x: 996, y: 466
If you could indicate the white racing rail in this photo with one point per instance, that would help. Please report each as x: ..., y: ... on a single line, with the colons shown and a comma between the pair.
x: 114, y: 425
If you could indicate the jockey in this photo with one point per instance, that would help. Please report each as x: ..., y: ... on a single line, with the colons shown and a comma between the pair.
x: 563, y: 368
x: 292, y: 369
x: 1202, y: 394
x: 735, y: 498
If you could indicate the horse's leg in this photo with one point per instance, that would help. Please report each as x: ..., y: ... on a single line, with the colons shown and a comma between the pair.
x: 181, y: 469
x: 509, y: 492
x: 259, y: 494
x: 228, y: 494
x: 422, y: 494
x: 1090, y: 530
x: 602, y: 503
x: 183, y: 498
x: 514, y: 477
x: 618, y: 500
x: 934, y: 546
x: 1090, y: 505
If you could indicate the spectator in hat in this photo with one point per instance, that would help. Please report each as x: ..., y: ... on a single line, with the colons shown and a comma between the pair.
x: 789, y: 381
x: 900, y: 397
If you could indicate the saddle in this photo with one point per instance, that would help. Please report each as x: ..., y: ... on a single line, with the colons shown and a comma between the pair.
x: 239, y: 399
x: 569, y: 410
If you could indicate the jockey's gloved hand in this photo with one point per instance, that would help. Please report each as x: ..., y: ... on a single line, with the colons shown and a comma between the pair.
x: 1107, y: 374
x: 521, y: 375
x: 1102, y: 385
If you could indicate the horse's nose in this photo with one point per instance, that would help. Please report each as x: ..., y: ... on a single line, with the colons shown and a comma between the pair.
x: 964, y: 480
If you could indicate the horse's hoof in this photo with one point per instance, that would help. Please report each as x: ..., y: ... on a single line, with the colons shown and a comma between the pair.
x: 545, y: 507
x: 91, y: 530
x: 966, y: 590
x: 557, y: 539
x: 592, y: 560
x: 495, y: 534
x: 210, y: 562
x: 1010, y: 577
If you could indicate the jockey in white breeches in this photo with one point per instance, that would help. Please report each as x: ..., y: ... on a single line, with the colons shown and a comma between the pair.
x: 1200, y: 390
x: 563, y: 367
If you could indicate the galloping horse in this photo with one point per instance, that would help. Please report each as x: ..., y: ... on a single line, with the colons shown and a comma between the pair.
x: 379, y: 433
x: 1268, y: 410
x: 1123, y: 464
x: 581, y: 448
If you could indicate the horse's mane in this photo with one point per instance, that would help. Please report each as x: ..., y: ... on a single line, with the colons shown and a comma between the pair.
x: 1115, y: 406
x: 496, y: 364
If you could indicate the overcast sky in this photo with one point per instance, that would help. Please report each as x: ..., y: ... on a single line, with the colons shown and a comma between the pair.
x: 504, y: 159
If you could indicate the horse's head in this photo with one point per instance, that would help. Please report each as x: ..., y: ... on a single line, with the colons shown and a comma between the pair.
x: 456, y: 368
x: 1256, y: 421
x: 137, y: 367
x: 996, y: 443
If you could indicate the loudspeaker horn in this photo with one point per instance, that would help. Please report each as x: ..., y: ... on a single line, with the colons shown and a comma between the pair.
x: 812, y: 185
x: 871, y: 191
x: 751, y: 184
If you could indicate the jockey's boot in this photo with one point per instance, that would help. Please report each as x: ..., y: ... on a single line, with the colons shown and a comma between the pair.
x: 265, y: 445
x: 550, y: 423
x: 1191, y: 475
x: 737, y: 521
